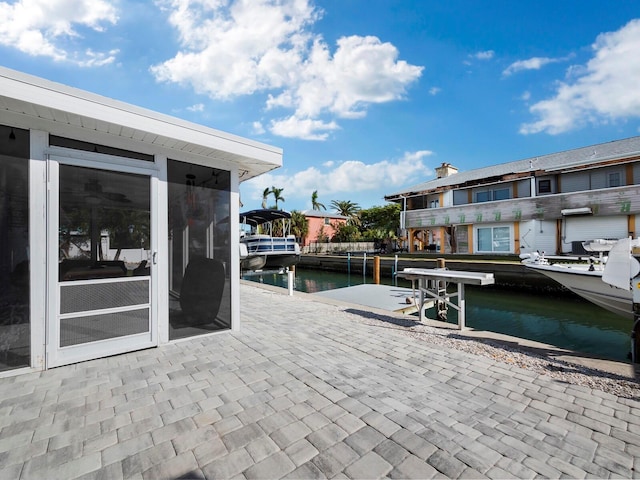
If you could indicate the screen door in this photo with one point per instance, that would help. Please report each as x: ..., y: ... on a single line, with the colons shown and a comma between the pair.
x: 101, y: 261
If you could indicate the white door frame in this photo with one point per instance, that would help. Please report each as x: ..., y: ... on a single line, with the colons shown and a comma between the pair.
x: 56, y: 356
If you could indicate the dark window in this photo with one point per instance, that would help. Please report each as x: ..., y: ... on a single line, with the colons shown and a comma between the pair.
x: 483, y: 196
x: 15, y: 337
x: 544, y: 186
x: 501, y: 194
x: 614, y: 179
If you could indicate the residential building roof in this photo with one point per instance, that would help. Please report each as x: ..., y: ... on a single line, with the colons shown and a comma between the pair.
x: 323, y: 214
x: 552, y: 162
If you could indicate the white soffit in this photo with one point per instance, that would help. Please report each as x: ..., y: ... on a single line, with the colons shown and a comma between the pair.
x: 42, y: 99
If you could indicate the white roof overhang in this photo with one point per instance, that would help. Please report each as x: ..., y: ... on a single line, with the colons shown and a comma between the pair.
x: 32, y: 102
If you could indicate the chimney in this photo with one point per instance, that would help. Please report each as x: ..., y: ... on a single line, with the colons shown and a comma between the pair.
x: 445, y: 170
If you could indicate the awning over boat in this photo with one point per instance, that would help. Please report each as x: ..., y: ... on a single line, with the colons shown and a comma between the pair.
x: 258, y: 217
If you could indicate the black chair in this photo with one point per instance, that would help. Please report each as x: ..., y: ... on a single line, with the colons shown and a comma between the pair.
x: 202, y: 288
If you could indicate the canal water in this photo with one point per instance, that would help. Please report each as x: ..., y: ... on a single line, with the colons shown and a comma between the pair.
x: 563, y: 321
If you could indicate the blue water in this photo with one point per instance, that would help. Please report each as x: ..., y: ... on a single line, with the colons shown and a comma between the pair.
x: 564, y: 321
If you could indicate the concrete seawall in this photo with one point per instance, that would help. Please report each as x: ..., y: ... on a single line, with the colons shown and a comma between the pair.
x: 508, y: 273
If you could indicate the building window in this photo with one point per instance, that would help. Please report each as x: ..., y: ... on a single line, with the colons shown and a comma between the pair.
x: 493, y: 195
x: 493, y: 239
x: 544, y: 186
x: 434, y: 204
x: 614, y: 179
x: 483, y: 196
x: 501, y: 194
x: 327, y: 221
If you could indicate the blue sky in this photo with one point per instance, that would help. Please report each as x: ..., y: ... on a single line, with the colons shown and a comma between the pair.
x: 365, y: 97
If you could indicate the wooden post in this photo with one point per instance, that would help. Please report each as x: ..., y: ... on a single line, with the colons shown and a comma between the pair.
x: 376, y: 270
x: 441, y: 263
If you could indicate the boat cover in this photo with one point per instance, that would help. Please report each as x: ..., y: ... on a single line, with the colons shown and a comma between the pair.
x: 258, y: 217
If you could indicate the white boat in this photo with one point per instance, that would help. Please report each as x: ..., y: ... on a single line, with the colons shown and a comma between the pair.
x: 269, y: 243
x: 604, y: 280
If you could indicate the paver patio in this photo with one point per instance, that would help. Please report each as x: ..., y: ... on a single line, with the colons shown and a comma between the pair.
x: 305, y: 390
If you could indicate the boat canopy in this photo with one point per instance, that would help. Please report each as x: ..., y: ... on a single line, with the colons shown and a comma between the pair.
x: 258, y: 217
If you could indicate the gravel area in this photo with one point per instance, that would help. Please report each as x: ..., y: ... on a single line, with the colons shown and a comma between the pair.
x: 558, y: 369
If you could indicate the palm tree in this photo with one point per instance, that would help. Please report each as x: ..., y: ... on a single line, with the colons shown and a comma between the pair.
x: 265, y: 196
x: 277, y: 193
x: 348, y: 209
x: 315, y: 204
x: 299, y: 225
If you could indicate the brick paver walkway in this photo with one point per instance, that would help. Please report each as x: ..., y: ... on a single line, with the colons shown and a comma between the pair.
x: 304, y: 391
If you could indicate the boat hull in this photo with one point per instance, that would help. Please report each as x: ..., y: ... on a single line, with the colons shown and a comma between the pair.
x: 276, y: 262
x: 253, y: 262
x: 589, y: 285
x: 275, y: 253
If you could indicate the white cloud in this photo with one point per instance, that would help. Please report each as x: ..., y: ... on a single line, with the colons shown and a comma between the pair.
x: 304, y: 128
x: 534, y: 63
x: 434, y: 90
x: 198, y: 107
x: 244, y: 47
x: 41, y: 28
x: 605, y: 89
x: 343, y: 178
x: 258, y: 128
x: 485, y: 55
x: 526, y: 95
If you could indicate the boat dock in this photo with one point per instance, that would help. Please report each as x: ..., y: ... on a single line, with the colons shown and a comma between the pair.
x: 431, y: 290
x: 508, y: 271
x: 382, y: 297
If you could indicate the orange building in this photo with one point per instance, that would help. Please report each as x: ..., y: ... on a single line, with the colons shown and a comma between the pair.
x: 321, y: 226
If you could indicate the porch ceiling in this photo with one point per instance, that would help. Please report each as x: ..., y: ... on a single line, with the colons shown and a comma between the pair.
x: 39, y: 103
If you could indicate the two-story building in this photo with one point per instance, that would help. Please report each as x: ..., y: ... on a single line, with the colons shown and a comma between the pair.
x: 550, y: 203
x: 322, y: 226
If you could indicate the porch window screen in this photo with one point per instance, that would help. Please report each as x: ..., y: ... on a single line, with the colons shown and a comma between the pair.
x: 199, y: 249
x: 15, y: 331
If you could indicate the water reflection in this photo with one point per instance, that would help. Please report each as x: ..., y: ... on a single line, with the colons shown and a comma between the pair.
x: 566, y: 322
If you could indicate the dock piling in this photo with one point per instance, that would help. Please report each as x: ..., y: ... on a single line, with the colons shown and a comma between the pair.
x: 364, y: 266
x: 291, y: 279
x: 376, y: 270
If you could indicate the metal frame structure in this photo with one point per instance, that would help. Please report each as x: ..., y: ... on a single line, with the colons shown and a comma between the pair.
x: 430, y: 286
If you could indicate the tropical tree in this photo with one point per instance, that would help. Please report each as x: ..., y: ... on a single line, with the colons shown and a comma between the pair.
x: 315, y: 204
x: 380, y: 222
x: 322, y: 236
x: 345, y: 232
x: 348, y: 209
x: 299, y: 225
x: 265, y: 197
x: 277, y: 194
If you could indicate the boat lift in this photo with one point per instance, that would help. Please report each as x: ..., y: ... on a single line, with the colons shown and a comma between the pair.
x: 432, y: 284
